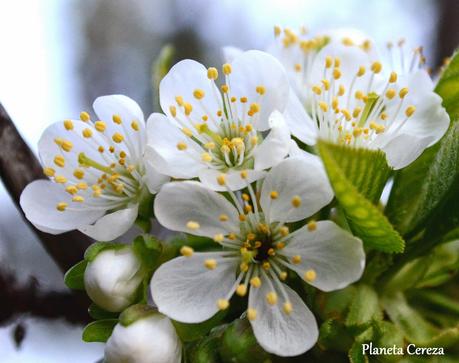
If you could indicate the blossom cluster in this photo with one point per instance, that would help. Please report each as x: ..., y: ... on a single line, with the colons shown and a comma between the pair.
x: 231, y: 158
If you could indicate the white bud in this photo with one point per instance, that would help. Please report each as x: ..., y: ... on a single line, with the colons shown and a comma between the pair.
x: 151, y: 339
x: 112, y: 278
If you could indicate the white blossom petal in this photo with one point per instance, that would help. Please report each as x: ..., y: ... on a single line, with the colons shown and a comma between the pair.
x: 187, y: 291
x: 111, y: 225
x: 299, y: 177
x: 276, y: 331
x: 233, y: 178
x: 230, y: 53
x: 191, y: 207
x: 153, y: 179
x: 336, y: 257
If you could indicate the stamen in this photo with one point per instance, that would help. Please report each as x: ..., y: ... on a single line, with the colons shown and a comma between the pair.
x: 187, y: 251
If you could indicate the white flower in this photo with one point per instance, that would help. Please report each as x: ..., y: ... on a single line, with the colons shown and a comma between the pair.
x: 97, y: 172
x: 209, y: 131
x: 354, y: 102
x: 258, y: 251
x: 112, y: 279
x: 151, y: 339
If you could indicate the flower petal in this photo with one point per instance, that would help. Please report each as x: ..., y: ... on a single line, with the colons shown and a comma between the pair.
x: 336, y: 256
x: 112, y: 225
x: 179, y: 203
x: 153, y: 179
x: 230, y: 52
x: 253, y: 69
x: 233, y: 179
x: 276, y: 146
x: 163, y: 153
x: 38, y: 201
x: 276, y: 331
x: 185, y: 290
x: 302, y: 177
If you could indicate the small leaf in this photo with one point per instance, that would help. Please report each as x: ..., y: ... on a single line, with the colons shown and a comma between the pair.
x: 97, y: 247
x: 365, y: 219
x: 136, y: 312
x: 364, y: 307
x: 448, y: 86
x: 148, y: 249
x: 190, y: 332
x: 74, y: 278
x: 98, y: 313
x: 99, y: 331
x: 356, y: 354
x: 334, y: 335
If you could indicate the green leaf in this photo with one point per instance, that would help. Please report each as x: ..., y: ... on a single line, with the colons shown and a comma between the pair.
x: 336, y: 303
x: 365, y: 219
x: 387, y: 335
x: 74, y: 278
x: 423, y: 186
x: 334, y: 335
x: 356, y: 355
x: 364, y: 307
x: 191, y: 332
x: 148, y: 249
x: 96, y: 312
x: 97, y: 247
x: 99, y: 331
x: 448, y: 86
x: 160, y: 67
x: 408, y: 276
x: 136, y: 312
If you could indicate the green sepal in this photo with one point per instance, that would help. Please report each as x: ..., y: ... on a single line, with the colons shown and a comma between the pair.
x: 74, y: 277
x: 206, y: 350
x: 191, y: 332
x: 136, y: 312
x: 335, y: 336
x: 448, y: 86
x: 148, y: 249
x: 365, y: 219
x: 96, y: 312
x: 99, y: 330
x: 97, y: 247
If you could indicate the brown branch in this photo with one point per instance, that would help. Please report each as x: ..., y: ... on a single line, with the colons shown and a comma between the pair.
x: 18, y: 167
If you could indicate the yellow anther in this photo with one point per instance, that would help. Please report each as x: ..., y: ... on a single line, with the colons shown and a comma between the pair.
x: 244, y: 267
x: 260, y: 90
x: 326, y: 84
x: 359, y: 95
x: 227, y: 68
x: 347, y: 115
x: 187, y: 131
x: 87, y: 133
x: 223, y: 304
x: 100, y: 126
x: 296, y: 201
x: 78, y: 173
x: 192, y: 225
x: 361, y: 71
x: 59, y: 161
x: 135, y: 125
x: 341, y: 90
x: 210, y: 264
x: 173, y: 110
x: 82, y: 186
x: 254, y: 108
x: 356, y: 112
x: 117, y: 137
x: 323, y: 106
x: 223, y: 218
x: 284, y: 231
x: 61, y: 206
x: 255, y: 281
x: 242, y: 217
x: 310, y: 275
x: 347, y: 42
x: 383, y: 116
x: 247, y: 208
x: 328, y: 61
x: 390, y: 93
x: 198, y: 94
x: 297, y: 67
x: 241, y: 290
x: 254, y: 140
x: 410, y: 110
x: 71, y: 189
x: 277, y: 30
x: 244, y: 174
x: 84, y: 116
x: 49, y: 171
x: 186, y: 251
x: 403, y: 92
x: 205, y: 118
x: 288, y: 308
x: 336, y: 73
x: 366, y: 45
x: 274, y: 194
x: 393, y: 77
x: 296, y: 259
x: 316, y: 90
x: 312, y: 226
x: 283, y: 275
x: 117, y: 119
x: 357, y: 131
x: 219, y: 238
x: 188, y: 108
x: 212, y: 73
x: 271, y: 298
x: 111, y: 149
x: 376, y: 67
x: 68, y: 124
x: 179, y: 100
x: 243, y: 99
x: 78, y: 199
x: 248, y: 128
x: 251, y: 314
x: 335, y: 104
x: 60, y: 179
x: 221, y: 179
x: 182, y: 146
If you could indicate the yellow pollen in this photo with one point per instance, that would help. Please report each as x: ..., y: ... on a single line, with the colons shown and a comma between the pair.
x: 242, y: 217
x: 347, y: 41
x: 254, y: 108
x: 117, y: 137
x: 297, y: 67
x: 179, y: 100
x: 223, y: 218
x: 337, y: 62
x: 390, y: 93
x: 393, y: 77
x: 403, y: 92
x: 359, y: 95
x: 346, y: 114
x: 248, y: 128
x: 310, y: 275
x: 247, y: 208
x: 326, y: 84
x: 223, y: 304
x: 243, y: 99
x: 60, y: 179
x: 280, y: 245
x: 227, y: 68
x: 221, y: 179
x: 251, y: 314
x: 87, y: 133
x: 100, y: 126
x: 84, y: 116
x: 117, y: 119
x: 241, y: 290
x: 277, y: 30
x: 59, y: 161
x: 296, y: 259
x: 198, y: 94
x: 323, y: 106
x: 135, y: 125
x: 192, y: 225
x: 255, y: 281
x: 212, y: 73
x: 341, y: 90
x: 111, y: 149
x: 71, y: 189
x: 410, y: 110
x: 123, y: 154
x: 49, y: 171
x: 173, y: 111
x: 78, y: 173
x: 271, y: 252
x: 61, y: 206
x: 78, y: 199
x: 336, y: 73
x: 254, y: 140
x: 274, y: 194
x: 244, y: 267
x: 233, y: 99
x: 284, y: 231
x: 188, y: 108
x: 316, y: 90
x: 296, y: 201
x: 68, y: 124
x: 244, y: 174
x: 328, y: 62
x: 356, y: 112
x: 210, y: 264
x: 376, y: 67
x: 271, y: 298
x: 312, y: 226
x: 361, y: 71
x: 182, y: 146
x: 186, y: 251
x: 357, y: 131
x: 261, y: 90
x: 288, y: 308
x: 283, y: 275
x: 219, y: 238
x: 187, y: 131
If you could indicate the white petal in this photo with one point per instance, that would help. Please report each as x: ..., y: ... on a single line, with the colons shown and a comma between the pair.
x: 111, y: 225
x: 38, y: 201
x: 299, y: 176
x: 300, y: 123
x: 252, y: 69
x: 182, y: 80
x: 229, y: 53
x: 336, y: 256
x: 162, y: 151
x: 153, y: 179
x: 185, y: 290
x: 276, y: 146
x: 108, y: 106
x: 233, y: 179
x: 178, y: 203
x: 277, y: 332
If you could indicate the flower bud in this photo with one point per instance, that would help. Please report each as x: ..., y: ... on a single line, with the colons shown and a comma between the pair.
x: 113, y: 277
x: 151, y: 338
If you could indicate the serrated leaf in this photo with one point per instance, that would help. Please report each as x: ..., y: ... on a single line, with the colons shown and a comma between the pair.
x: 74, y: 278
x: 423, y: 186
x: 99, y: 331
x: 364, y: 307
x: 365, y: 219
x: 448, y: 86
x: 96, y: 312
